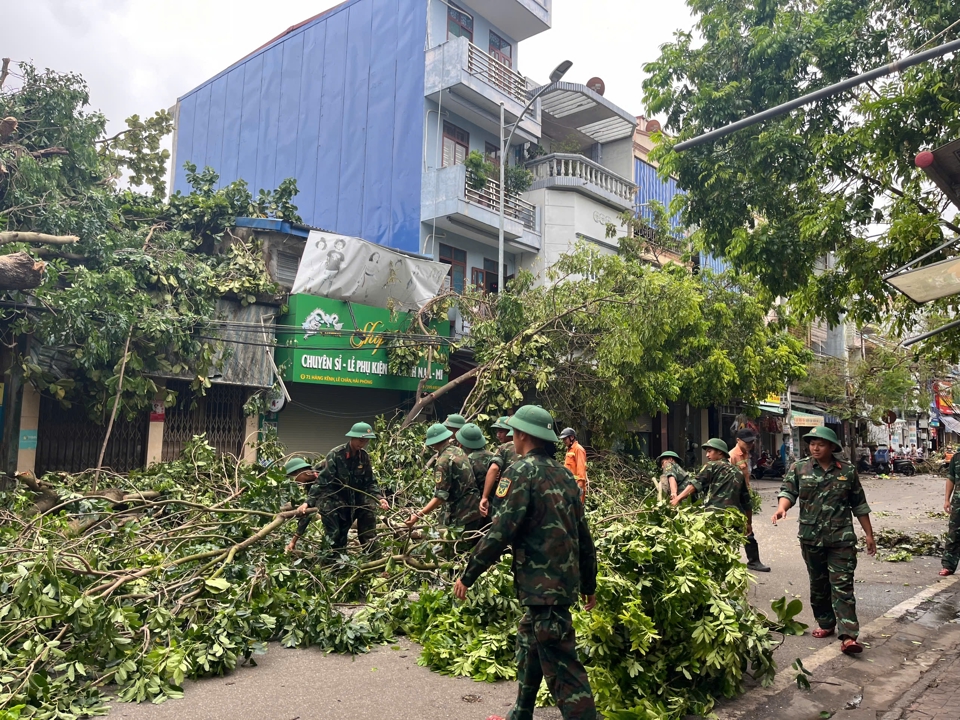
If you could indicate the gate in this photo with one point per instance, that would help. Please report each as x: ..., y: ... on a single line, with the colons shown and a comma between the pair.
x: 219, y: 414
x: 69, y: 441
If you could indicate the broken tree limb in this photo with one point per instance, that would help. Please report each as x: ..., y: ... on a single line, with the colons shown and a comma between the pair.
x: 19, y: 271
x: 35, y: 238
x: 4, y: 70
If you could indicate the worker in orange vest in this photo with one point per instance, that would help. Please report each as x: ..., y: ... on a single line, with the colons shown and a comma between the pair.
x: 576, y: 459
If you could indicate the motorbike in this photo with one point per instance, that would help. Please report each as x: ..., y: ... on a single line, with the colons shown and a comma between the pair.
x: 771, y: 472
x: 904, y: 466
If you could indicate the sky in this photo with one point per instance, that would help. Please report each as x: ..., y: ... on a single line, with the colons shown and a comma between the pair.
x: 140, y: 55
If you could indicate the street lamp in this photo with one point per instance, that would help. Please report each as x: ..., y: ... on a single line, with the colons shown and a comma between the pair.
x: 555, y: 77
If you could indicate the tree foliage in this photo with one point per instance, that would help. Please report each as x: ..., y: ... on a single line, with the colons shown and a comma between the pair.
x: 836, y: 176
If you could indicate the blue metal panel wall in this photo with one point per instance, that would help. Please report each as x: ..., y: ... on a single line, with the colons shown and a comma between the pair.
x: 716, y: 264
x: 337, y: 104
x: 652, y: 187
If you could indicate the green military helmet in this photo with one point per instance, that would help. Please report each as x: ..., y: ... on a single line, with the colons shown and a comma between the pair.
x: 471, y: 436
x: 668, y: 454
x: 717, y: 444
x: 361, y: 430
x: 501, y: 424
x: 437, y: 433
x: 823, y: 433
x: 295, y: 466
x: 455, y: 422
x: 534, y: 421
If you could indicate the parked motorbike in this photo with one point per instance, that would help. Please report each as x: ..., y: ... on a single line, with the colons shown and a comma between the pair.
x: 771, y: 472
x: 904, y: 466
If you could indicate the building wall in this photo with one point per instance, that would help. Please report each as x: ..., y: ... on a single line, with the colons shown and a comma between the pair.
x: 434, y: 148
x: 437, y: 28
x: 617, y: 157
x: 651, y: 187
x: 336, y: 104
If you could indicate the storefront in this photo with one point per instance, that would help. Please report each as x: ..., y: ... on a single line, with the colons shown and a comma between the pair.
x: 335, y: 359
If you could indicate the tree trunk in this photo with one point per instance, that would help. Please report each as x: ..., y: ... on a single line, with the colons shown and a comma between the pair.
x: 19, y: 271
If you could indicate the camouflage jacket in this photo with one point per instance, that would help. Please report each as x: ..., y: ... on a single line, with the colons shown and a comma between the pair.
x: 480, y: 462
x: 541, y: 516
x: 953, y: 470
x: 722, y: 486
x: 457, y: 488
x: 344, y: 471
x: 681, y: 475
x: 505, y: 456
x: 828, y: 501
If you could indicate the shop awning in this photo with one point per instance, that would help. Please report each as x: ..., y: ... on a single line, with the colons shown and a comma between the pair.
x: 773, y: 409
x: 951, y: 424
x: 803, y: 420
x: 814, y: 410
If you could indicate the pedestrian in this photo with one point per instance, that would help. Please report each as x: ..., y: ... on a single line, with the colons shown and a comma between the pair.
x: 951, y: 504
x: 554, y: 559
x: 740, y: 459
x: 676, y: 477
x: 575, y: 460
x: 303, y: 474
x: 346, y: 490
x: 474, y: 443
x: 504, y: 456
x: 720, y: 483
x: 830, y: 495
x: 454, y: 422
x: 456, y: 487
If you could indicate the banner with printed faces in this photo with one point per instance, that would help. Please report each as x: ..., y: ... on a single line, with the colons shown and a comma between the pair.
x: 354, y: 270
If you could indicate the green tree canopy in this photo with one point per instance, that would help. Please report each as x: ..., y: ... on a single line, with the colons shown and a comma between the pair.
x: 836, y: 176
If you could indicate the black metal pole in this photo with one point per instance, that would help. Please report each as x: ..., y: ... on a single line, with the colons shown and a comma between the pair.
x: 820, y: 94
x: 921, y: 338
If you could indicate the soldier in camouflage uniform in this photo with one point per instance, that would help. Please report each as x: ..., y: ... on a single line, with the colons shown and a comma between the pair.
x: 542, y: 518
x: 474, y: 443
x: 830, y: 495
x: 454, y: 422
x: 456, y: 488
x: 720, y: 483
x: 951, y: 504
x: 302, y: 473
x: 345, y: 490
x: 504, y: 456
x: 677, y: 478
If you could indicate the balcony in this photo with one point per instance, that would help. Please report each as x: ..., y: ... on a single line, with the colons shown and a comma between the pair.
x: 469, y: 82
x: 575, y: 172
x: 522, y: 18
x: 450, y: 198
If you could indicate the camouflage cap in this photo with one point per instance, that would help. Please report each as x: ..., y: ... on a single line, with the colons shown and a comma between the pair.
x: 437, y: 433
x: 471, y: 436
x: 534, y: 421
x: 361, y: 430
x: 716, y: 444
x: 823, y: 433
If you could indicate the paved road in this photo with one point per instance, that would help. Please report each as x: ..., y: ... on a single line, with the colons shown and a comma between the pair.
x: 387, y: 684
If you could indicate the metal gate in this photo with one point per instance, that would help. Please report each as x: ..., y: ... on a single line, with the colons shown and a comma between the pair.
x: 219, y: 414
x: 69, y: 441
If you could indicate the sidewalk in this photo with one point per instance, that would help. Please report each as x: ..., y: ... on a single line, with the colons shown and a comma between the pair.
x: 910, y: 670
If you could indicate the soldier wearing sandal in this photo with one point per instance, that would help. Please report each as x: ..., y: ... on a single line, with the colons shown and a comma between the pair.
x: 830, y: 496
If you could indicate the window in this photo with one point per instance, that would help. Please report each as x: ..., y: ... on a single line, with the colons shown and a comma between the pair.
x: 459, y: 23
x: 492, y: 153
x: 501, y: 49
x: 457, y: 260
x: 456, y: 145
x: 486, y: 278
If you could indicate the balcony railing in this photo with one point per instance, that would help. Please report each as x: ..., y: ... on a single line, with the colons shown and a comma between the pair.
x: 577, y: 167
x: 513, y: 205
x: 497, y: 74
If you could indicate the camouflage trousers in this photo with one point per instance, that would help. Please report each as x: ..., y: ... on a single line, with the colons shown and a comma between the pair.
x: 337, y: 513
x: 831, y: 587
x: 547, y: 648
x: 951, y: 550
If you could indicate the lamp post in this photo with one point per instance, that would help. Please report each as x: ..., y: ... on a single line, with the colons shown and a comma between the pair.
x: 555, y: 77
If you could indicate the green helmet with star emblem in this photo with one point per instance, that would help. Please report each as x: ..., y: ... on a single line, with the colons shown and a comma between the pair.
x: 471, y: 436
x: 823, y: 433
x: 437, y: 433
x: 361, y: 430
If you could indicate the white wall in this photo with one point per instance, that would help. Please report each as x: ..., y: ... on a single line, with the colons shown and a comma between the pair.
x: 437, y: 27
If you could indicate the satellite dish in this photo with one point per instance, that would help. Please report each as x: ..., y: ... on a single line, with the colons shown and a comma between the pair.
x: 275, y: 402
x: 597, y: 85
x: 653, y: 126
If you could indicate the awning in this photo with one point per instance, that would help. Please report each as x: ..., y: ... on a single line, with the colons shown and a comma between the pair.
x: 570, y: 107
x: 802, y: 420
x: 773, y: 409
x: 813, y: 409
x: 951, y: 424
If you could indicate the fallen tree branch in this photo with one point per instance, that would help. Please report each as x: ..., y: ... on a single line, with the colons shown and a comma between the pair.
x: 35, y: 238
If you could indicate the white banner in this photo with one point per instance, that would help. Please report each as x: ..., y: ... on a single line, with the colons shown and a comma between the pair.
x: 354, y: 270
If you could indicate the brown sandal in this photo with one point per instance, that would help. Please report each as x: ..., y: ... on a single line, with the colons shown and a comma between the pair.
x: 849, y: 646
x: 945, y: 572
x: 822, y: 633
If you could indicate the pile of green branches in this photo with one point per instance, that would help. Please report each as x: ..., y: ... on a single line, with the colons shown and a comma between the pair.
x: 180, y: 572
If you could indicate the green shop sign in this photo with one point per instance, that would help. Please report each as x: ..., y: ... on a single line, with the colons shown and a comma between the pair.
x: 339, y: 343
